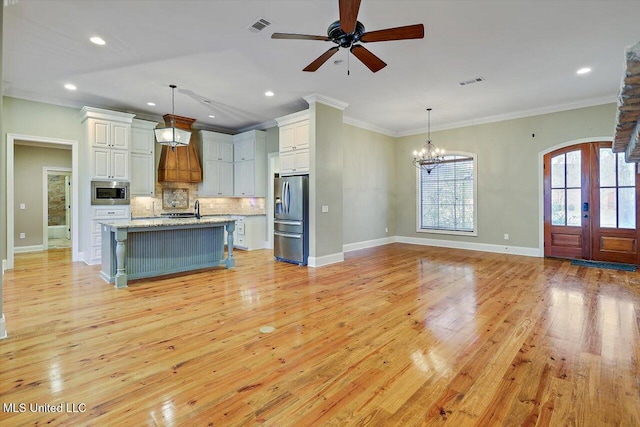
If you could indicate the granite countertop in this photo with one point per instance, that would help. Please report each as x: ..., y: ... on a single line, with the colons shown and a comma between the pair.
x: 165, y: 222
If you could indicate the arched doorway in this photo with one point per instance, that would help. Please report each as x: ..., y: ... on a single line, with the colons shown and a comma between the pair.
x: 591, y: 204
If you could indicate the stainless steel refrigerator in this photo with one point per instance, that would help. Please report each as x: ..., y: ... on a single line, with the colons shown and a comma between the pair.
x: 291, y: 222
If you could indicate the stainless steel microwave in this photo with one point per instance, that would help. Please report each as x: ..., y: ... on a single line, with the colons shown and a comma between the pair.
x: 110, y: 192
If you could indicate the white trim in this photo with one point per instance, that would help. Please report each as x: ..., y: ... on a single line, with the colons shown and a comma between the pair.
x: 23, y: 249
x: 322, y: 99
x: 368, y: 126
x: 313, y: 261
x: 368, y: 244
x: 541, y: 155
x: 514, y: 115
x: 99, y: 113
x: 273, y: 167
x: 482, y: 247
x: 293, y: 118
x: 75, y: 163
x: 3, y: 328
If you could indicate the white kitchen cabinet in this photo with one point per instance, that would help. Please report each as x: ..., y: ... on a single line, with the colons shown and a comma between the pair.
x: 109, y: 148
x: 294, y: 136
x: 216, y: 152
x: 142, y: 158
x: 245, y: 181
x: 250, y: 163
x: 250, y: 232
x: 294, y: 144
x: 108, y: 164
x: 99, y: 214
x: 294, y: 162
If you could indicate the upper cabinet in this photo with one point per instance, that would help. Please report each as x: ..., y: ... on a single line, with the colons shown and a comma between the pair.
x: 142, y: 158
x: 294, y: 143
x: 250, y: 164
x: 108, y: 135
x: 216, y: 152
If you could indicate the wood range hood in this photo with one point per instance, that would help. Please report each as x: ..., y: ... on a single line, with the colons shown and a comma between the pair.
x: 179, y: 164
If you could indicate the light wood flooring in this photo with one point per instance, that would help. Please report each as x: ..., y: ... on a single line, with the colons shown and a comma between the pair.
x: 399, y: 335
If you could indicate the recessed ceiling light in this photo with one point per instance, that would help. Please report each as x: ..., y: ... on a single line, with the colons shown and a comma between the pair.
x: 69, y: 86
x: 97, y: 40
x: 151, y: 104
x: 213, y: 117
x: 583, y: 70
x: 269, y: 93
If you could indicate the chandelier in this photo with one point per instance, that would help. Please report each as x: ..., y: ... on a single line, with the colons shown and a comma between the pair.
x: 172, y: 136
x: 429, y: 157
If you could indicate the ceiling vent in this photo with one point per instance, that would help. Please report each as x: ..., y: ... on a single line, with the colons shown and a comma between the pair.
x: 472, y: 81
x: 259, y: 25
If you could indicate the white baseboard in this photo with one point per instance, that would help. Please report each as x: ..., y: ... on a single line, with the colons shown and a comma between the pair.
x: 368, y: 244
x: 482, y: 247
x: 325, y: 260
x: 22, y: 249
x: 4, y: 265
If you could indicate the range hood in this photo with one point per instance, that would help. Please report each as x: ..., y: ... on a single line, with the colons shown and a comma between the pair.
x: 179, y: 164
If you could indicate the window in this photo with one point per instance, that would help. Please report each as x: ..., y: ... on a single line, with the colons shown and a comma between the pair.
x: 447, y: 196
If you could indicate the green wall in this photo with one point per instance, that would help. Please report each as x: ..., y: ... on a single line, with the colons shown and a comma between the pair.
x: 40, y: 119
x: 508, y: 170
x: 326, y: 158
x: 369, y: 185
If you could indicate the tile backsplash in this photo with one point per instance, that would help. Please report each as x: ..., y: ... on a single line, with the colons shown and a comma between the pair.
x: 153, y: 206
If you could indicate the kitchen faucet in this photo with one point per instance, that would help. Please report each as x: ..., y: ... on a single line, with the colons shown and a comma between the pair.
x: 196, y: 207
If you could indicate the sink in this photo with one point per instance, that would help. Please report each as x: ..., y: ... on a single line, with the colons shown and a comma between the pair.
x: 178, y: 215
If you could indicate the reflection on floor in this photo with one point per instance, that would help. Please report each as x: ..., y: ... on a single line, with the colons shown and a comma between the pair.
x: 59, y: 242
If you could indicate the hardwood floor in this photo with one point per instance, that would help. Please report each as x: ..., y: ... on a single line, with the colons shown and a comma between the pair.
x: 399, y: 335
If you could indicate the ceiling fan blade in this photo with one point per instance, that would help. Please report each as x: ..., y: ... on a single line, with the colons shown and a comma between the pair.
x: 372, y: 62
x: 398, y: 33
x: 349, y: 15
x: 288, y: 36
x: 321, y: 59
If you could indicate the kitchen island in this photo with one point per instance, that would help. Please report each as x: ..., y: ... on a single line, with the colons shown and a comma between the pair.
x: 134, y: 249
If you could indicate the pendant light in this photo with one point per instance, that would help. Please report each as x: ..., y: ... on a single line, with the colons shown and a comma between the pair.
x: 172, y: 136
x: 429, y: 157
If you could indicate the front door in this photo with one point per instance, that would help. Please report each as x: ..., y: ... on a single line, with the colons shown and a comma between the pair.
x: 591, y: 200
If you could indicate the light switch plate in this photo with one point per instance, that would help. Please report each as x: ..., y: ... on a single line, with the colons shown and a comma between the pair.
x: 23, y: 206
x: 325, y: 208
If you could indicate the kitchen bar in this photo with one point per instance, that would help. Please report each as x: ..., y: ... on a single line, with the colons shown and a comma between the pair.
x: 153, y: 247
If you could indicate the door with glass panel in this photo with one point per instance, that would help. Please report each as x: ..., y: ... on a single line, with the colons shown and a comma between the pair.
x: 591, y: 200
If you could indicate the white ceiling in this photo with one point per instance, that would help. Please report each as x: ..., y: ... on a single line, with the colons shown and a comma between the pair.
x: 528, y: 52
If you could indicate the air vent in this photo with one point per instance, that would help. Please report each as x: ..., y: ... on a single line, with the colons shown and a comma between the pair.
x: 259, y: 25
x: 472, y: 81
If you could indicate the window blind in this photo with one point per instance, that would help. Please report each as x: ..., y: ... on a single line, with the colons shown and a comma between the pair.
x: 447, y: 195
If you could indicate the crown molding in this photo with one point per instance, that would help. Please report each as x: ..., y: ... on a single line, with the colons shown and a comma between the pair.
x: 515, y: 115
x: 368, y: 126
x: 293, y: 117
x: 322, y: 99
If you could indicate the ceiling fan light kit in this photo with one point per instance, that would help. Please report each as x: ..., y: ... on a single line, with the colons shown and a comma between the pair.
x: 348, y: 32
x: 172, y: 136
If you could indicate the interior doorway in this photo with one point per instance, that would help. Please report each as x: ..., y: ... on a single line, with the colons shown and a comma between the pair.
x: 57, y: 205
x: 591, y: 204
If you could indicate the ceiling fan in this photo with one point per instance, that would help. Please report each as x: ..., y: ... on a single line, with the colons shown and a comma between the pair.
x: 348, y: 32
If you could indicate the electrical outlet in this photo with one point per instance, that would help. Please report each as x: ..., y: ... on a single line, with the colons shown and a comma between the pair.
x: 325, y: 208
x: 23, y: 235
x: 386, y: 229
x: 506, y: 236
x: 23, y: 206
